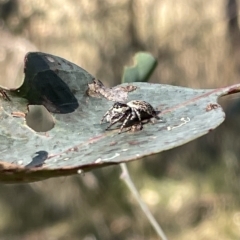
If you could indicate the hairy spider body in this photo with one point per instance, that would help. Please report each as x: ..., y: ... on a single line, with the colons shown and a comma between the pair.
x: 125, y: 113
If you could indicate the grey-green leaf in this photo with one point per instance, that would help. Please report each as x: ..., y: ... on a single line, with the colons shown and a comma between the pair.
x: 144, y: 65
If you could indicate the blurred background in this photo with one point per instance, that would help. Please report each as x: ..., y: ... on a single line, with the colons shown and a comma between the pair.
x: 193, y: 190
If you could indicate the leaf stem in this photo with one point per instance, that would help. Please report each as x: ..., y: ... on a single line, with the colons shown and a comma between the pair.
x: 127, y: 179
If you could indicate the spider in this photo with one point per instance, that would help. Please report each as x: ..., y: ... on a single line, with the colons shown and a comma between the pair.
x: 135, y: 110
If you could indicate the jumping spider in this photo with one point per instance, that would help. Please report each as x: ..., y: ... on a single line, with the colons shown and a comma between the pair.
x: 126, y: 113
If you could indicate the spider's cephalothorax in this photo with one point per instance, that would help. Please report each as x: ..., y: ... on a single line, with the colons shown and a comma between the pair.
x: 135, y: 110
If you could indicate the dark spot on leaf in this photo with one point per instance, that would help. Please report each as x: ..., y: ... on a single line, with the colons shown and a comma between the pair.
x: 133, y: 143
x: 44, y: 86
x: 38, y: 160
x: 112, y: 143
x: 211, y: 106
x: 75, y: 149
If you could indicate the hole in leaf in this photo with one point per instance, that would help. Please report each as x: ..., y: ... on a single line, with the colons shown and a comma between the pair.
x: 39, y: 119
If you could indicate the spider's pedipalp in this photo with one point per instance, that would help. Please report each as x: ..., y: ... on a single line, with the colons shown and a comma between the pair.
x: 106, y: 115
x: 115, y: 121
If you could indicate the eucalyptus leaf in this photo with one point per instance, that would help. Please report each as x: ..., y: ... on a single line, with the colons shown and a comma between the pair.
x: 78, y: 142
x: 144, y: 65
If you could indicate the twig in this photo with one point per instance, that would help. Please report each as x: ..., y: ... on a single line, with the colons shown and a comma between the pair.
x: 127, y: 179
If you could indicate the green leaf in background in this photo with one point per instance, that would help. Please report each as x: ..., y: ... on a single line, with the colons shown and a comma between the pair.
x: 78, y: 142
x: 144, y: 65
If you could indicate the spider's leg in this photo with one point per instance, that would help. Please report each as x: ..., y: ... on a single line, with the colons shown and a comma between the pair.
x: 139, y: 116
x: 154, y: 114
x: 105, y: 115
x: 125, y: 122
x: 133, y: 115
x: 115, y: 121
x: 152, y: 120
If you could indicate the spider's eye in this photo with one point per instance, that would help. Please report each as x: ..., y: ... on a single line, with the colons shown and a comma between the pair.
x: 118, y: 105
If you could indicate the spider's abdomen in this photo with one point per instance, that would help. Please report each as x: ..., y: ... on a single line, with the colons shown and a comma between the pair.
x: 144, y: 108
